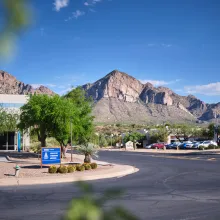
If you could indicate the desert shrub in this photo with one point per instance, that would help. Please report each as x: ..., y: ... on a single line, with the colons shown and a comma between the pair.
x: 51, y: 142
x: 201, y: 148
x: 87, y: 166
x: 35, y: 147
x: 71, y: 168
x: 52, y: 169
x: 62, y: 169
x: 211, y: 146
x: 80, y: 167
x: 94, y: 165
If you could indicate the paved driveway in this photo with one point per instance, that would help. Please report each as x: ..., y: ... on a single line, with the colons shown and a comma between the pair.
x: 165, y: 188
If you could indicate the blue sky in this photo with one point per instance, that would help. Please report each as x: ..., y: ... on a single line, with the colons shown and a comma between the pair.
x: 171, y: 43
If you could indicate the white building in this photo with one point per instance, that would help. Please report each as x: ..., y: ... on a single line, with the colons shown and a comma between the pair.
x: 11, y: 141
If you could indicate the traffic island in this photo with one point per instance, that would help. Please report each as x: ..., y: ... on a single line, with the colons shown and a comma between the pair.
x: 31, y: 175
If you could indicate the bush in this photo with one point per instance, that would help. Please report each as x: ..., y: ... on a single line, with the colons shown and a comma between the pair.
x: 201, y: 148
x: 52, y: 169
x: 94, y: 165
x: 62, y: 169
x: 71, y: 168
x: 35, y: 147
x: 211, y: 146
x: 80, y: 167
x: 87, y: 166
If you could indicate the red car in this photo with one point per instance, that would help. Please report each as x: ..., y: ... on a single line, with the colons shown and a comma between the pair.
x: 158, y: 146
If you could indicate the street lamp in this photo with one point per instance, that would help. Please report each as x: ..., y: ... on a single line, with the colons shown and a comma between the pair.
x: 111, y: 139
x: 71, y: 139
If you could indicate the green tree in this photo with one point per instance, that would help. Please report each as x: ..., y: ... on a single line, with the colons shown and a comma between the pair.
x: 8, y: 120
x: 159, y: 135
x: 102, y: 141
x: 83, y: 127
x: 209, y: 131
x: 134, y: 137
x: 48, y: 116
x: 184, y: 131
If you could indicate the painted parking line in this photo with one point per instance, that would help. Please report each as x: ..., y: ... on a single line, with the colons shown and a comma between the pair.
x: 211, y: 159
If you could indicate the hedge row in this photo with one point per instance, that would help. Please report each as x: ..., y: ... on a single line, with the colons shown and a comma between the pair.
x: 72, y: 168
x: 210, y: 147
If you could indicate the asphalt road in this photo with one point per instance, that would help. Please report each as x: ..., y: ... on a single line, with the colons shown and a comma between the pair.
x: 167, y: 187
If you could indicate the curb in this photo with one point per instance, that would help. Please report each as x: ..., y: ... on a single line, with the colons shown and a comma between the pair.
x: 54, y: 180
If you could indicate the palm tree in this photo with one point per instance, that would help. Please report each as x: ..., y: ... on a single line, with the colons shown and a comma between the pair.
x: 88, y: 150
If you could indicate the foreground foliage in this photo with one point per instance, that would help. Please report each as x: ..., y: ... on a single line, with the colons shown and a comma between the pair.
x: 16, y: 17
x: 91, y: 207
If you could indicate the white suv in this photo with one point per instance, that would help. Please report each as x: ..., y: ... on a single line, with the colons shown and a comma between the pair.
x: 207, y: 143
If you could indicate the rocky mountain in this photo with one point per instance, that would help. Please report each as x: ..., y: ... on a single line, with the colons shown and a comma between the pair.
x: 10, y: 85
x: 122, y: 98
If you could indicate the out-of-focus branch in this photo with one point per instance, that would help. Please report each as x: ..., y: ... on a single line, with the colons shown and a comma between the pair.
x: 16, y: 18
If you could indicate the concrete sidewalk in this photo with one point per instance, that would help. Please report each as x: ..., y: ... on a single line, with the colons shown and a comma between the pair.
x: 108, y: 172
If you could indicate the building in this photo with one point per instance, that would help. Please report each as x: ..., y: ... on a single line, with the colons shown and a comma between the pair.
x: 12, y: 141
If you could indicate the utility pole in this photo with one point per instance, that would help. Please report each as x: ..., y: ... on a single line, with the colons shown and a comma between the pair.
x: 71, y: 139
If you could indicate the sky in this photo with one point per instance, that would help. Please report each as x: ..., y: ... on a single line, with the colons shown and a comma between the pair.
x: 170, y: 43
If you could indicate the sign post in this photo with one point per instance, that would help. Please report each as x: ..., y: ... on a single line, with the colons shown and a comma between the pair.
x: 50, y: 156
x: 19, y: 141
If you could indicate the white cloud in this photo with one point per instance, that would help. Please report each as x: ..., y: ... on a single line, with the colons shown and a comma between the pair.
x: 63, y: 92
x: 35, y: 86
x: 78, y: 13
x: 159, y: 45
x: 58, y: 4
x: 51, y: 85
x: 166, y: 45
x: 91, y: 2
x: 208, y: 89
x: 92, y: 10
x: 75, y: 15
x: 159, y: 82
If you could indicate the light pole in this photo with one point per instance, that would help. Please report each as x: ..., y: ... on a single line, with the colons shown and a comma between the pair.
x: 71, y: 139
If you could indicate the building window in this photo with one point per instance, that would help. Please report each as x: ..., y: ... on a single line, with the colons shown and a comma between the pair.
x: 11, y: 105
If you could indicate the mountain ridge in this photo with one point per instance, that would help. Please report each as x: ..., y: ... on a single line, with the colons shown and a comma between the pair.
x: 119, y: 86
x: 10, y: 85
x: 119, y: 97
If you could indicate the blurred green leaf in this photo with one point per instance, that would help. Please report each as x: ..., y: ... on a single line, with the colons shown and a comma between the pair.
x: 91, y: 207
x: 17, y: 17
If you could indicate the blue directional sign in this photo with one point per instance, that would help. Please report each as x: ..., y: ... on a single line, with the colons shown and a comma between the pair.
x: 50, y: 156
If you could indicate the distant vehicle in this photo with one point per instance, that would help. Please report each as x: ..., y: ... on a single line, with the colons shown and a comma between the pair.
x: 196, y: 144
x: 173, y: 145
x: 148, y: 146
x: 207, y: 143
x: 186, y: 145
x: 158, y: 145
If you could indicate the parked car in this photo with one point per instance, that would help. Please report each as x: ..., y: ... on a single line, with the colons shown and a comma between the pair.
x: 148, y: 146
x: 173, y: 145
x: 158, y: 145
x: 196, y: 144
x: 186, y: 145
x: 207, y: 143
